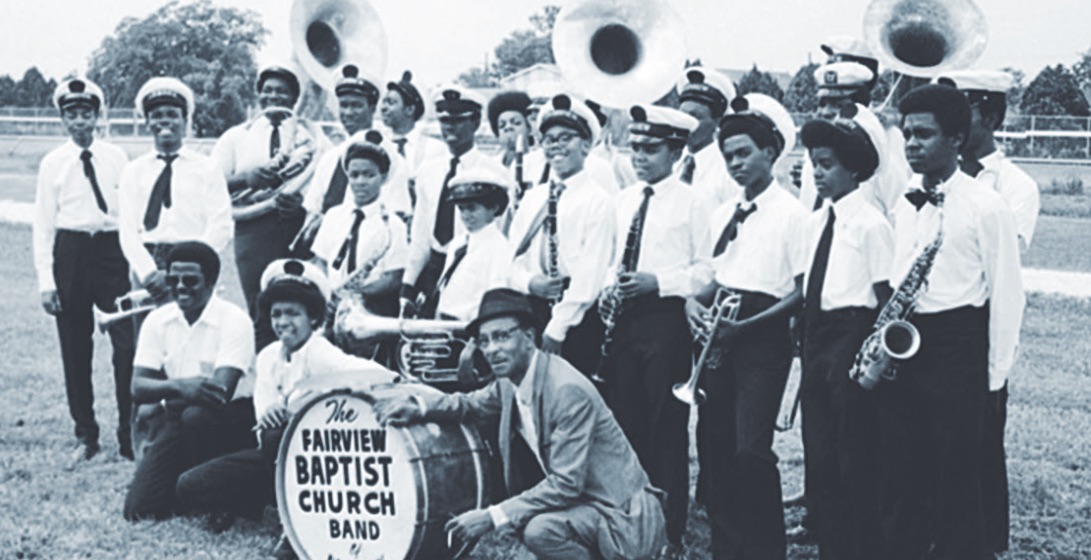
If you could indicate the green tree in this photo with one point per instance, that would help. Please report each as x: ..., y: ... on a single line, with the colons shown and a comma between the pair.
x: 524, y: 48
x: 208, y: 47
x: 756, y: 81
x: 7, y: 90
x: 1019, y: 86
x: 477, y: 78
x: 1055, y: 91
x: 34, y: 90
x: 802, y: 94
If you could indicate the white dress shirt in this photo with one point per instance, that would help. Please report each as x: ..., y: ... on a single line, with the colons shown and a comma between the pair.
x: 768, y: 251
x: 605, y: 161
x: 883, y: 189
x: 277, y: 371
x: 429, y: 188
x: 64, y: 199
x: 246, y: 146
x: 419, y: 148
x: 222, y: 337
x: 585, y: 243
x: 395, y: 193
x: 860, y: 252
x: 710, y: 175
x: 200, y: 206
x: 378, y: 238
x: 1017, y: 188
x: 484, y: 267
x: 534, y: 163
x: 673, y: 245
x: 978, y: 261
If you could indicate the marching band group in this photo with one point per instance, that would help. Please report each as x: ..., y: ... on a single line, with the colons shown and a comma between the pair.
x: 616, y: 262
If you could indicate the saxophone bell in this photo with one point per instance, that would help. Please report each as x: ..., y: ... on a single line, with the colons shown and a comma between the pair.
x: 898, y: 340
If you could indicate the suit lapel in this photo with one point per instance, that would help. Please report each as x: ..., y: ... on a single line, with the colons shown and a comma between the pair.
x: 538, y: 398
x: 507, y: 396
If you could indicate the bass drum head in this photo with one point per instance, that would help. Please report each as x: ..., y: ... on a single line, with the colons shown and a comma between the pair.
x: 348, y: 487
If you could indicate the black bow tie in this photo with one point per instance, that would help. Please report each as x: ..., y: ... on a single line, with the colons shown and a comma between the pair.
x: 919, y: 198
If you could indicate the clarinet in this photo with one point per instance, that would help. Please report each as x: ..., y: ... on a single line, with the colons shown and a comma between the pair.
x: 553, y: 270
x: 611, y: 304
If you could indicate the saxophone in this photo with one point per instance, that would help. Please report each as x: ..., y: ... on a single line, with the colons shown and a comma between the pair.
x: 358, y: 279
x: 611, y: 303
x: 893, y: 337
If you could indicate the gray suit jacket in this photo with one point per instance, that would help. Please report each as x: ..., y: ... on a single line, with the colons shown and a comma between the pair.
x: 588, y: 460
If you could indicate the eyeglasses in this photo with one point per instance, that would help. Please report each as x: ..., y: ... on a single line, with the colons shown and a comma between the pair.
x: 498, y: 337
x: 560, y: 139
x: 187, y: 280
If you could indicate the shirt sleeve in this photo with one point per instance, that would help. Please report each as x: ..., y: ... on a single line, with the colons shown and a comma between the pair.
x: 316, y: 189
x: 236, y: 349
x: 265, y: 381
x: 879, y: 251
x: 325, y: 241
x: 420, y: 239
x: 223, y: 152
x: 691, y: 279
x: 150, y: 350
x: 999, y: 245
x: 396, y: 255
x: 129, y: 216
x: 44, y: 228
x: 1025, y: 201
x: 220, y: 226
x: 586, y: 267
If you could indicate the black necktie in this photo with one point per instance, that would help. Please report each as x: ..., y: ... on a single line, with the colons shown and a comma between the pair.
x: 731, y: 230
x: 812, y: 302
x: 274, y: 139
x: 335, y: 194
x: 919, y: 198
x: 160, y: 197
x: 444, y: 229
x: 631, y: 256
x: 348, y: 248
x: 400, y: 142
x: 89, y: 172
x: 689, y: 166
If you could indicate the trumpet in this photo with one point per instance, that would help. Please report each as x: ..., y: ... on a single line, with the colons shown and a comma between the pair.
x: 136, y: 302
x: 726, y: 305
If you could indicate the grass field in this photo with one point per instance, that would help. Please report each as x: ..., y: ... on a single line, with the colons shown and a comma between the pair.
x: 49, y: 513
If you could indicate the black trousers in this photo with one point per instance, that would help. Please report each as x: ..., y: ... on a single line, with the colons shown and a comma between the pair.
x: 930, y: 422
x: 241, y: 483
x: 258, y: 242
x: 840, y: 437
x: 994, y: 472
x: 652, y: 351
x: 90, y: 270
x: 178, y: 438
x: 739, y: 480
x: 582, y: 346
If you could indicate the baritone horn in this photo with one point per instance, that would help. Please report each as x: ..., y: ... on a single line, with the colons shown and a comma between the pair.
x: 726, y: 308
x: 925, y: 38
x: 620, y: 52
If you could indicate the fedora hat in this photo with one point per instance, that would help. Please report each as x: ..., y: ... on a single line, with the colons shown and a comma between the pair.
x: 502, y: 302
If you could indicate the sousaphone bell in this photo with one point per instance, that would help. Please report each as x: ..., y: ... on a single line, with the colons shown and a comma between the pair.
x: 925, y: 38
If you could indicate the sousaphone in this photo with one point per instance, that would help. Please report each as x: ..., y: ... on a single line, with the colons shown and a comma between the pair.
x: 925, y: 38
x: 620, y: 52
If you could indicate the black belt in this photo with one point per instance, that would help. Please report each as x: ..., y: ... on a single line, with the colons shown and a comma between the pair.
x: 102, y: 234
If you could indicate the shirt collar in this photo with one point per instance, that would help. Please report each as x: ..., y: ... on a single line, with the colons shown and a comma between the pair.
x: 479, y: 236
x: 210, y: 315
x: 286, y: 356
x: 524, y: 391
x: 849, y: 203
x: 992, y: 161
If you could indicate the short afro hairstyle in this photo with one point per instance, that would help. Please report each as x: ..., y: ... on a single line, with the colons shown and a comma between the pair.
x: 851, y: 145
x: 370, y: 150
x: 196, y: 252
x: 306, y: 295
x: 949, y: 106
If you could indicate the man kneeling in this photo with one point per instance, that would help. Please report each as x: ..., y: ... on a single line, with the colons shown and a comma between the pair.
x: 592, y: 499
x: 192, y: 382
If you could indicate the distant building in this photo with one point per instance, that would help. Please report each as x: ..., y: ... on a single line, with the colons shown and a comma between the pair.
x: 539, y: 80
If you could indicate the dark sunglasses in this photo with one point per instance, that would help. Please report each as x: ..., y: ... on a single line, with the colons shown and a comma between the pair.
x: 187, y: 280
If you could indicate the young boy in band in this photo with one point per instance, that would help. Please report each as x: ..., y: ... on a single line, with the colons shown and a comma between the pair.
x: 660, y: 260
x: 79, y: 261
x: 850, y: 245
x: 754, y: 245
x: 968, y: 318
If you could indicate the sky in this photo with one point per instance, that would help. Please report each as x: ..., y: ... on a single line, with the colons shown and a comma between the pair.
x: 438, y: 40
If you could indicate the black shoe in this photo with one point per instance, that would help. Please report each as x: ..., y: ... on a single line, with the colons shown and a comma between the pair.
x: 83, y: 452
x: 125, y: 449
x: 284, y: 551
x: 219, y: 522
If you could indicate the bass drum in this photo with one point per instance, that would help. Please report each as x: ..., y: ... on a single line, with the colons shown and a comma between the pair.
x: 348, y: 487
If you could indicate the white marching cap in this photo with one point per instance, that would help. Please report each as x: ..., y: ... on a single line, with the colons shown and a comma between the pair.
x: 652, y: 123
x: 996, y: 81
x: 78, y: 90
x: 164, y: 90
x: 295, y: 270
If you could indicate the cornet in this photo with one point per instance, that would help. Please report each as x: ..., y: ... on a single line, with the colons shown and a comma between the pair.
x: 726, y: 306
x: 136, y: 302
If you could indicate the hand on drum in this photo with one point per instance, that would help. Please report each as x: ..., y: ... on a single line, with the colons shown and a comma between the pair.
x: 469, y: 526
x: 275, y: 417
x: 397, y: 411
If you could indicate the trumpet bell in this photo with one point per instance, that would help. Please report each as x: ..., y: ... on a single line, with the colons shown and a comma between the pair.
x: 327, y: 34
x: 620, y: 52
x: 925, y: 38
